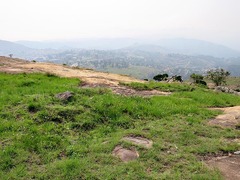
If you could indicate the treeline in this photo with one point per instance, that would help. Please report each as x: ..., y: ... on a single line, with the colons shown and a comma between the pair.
x: 218, y: 76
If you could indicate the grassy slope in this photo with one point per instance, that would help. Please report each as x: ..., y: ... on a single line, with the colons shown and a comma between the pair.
x: 42, y: 137
x: 233, y: 82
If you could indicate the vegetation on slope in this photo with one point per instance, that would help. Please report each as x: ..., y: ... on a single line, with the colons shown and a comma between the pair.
x: 42, y: 137
x: 161, y: 86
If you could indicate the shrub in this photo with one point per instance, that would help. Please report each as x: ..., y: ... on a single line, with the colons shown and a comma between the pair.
x: 160, y: 77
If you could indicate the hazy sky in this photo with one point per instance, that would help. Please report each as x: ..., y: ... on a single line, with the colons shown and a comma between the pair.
x: 213, y: 20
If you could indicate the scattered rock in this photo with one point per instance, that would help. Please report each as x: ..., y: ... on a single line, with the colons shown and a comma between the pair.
x: 139, y: 141
x: 64, y: 96
x: 226, y: 90
x: 125, y: 154
x: 237, y: 153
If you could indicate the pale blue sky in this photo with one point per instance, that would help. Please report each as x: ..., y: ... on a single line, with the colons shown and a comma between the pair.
x: 212, y: 20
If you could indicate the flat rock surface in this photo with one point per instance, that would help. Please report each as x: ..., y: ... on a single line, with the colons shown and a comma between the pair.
x: 139, y: 141
x: 229, y: 166
x: 64, y: 96
x: 229, y: 118
x: 125, y: 154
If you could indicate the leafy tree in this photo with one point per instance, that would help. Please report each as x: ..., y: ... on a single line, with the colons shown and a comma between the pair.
x: 177, y: 78
x: 218, y: 76
x: 198, y: 79
x: 160, y: 77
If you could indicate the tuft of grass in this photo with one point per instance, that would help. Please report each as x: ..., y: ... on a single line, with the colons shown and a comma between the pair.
x: 42, y: 137
x: 48, y: 74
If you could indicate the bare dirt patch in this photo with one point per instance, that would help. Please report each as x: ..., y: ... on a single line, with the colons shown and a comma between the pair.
x: 230, y: 117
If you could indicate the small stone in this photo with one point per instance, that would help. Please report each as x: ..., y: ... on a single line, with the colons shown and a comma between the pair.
x: 125, y: 155
x: 139, y: 141
x: 64, y: 96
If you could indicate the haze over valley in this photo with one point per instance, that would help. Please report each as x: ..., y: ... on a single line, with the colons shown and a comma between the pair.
x: 135, y: 57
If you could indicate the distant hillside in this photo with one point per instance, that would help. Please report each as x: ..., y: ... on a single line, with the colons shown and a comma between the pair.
x: 197, y: 47
x: 7, y: 48
x: 144, y: 64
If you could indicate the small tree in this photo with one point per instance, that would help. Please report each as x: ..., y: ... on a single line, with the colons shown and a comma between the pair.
x: 177, y: 78
x: 218, y: 76
x: 198, y: 79
x: 160, y: 77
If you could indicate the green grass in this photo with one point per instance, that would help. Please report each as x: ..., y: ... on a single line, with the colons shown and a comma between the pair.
x: 42, y: 137
x: 231, y: 82
x: 234, y: 83
x: 162, y: 86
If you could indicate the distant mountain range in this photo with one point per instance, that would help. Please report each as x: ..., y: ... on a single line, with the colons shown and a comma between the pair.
x: 101, y: 44
x: 165, y: 46
x: 177, y: 45
x: 187, y: 47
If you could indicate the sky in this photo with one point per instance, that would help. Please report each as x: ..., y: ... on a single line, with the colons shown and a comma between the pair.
x: 212, y: 20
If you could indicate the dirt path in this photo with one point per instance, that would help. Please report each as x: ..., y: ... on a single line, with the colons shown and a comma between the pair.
x: 229, y: 165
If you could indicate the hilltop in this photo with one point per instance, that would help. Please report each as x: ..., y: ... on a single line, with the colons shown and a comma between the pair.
x: 59, y: 122
x: 12, y: 65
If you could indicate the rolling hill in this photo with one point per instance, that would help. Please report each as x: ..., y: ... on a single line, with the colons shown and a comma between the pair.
x: 59, y: 122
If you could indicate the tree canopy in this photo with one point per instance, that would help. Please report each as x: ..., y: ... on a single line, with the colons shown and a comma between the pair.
x: 218, y: 76
x: 160, y: 77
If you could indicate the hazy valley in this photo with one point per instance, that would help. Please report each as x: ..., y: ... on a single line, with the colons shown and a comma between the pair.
x: 139, y: 59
